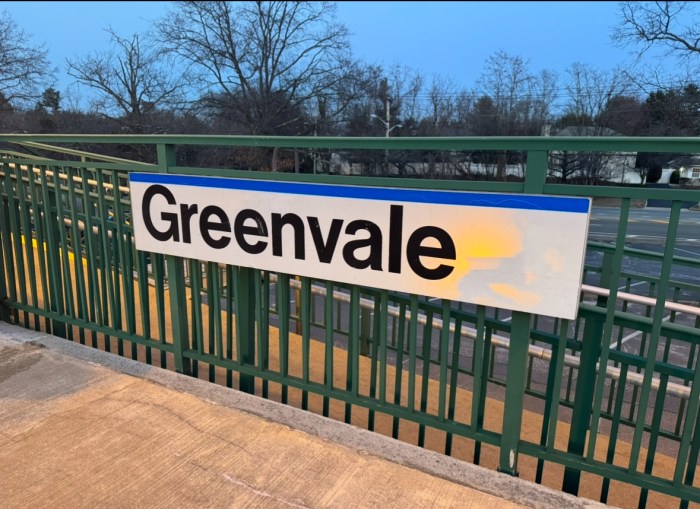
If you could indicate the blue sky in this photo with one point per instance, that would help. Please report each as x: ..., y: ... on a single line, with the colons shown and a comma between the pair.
x: 452, y: 39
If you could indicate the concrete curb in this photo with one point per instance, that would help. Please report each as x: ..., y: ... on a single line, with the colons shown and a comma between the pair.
x: 487, y: 481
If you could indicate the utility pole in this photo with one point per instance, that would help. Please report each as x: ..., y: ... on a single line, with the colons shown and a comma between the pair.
x: 388, y: 116
x: 389, y: 128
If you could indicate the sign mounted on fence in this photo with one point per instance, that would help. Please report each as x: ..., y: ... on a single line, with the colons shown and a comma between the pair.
x: 513, y: 251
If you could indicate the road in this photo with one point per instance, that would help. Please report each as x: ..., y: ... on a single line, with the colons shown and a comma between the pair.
x: 648, y: 227
x: 646, y: 230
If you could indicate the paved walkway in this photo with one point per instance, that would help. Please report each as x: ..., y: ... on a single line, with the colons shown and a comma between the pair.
x: 82, y: 428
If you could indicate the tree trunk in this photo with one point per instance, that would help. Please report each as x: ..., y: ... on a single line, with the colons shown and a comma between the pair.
x: 501, y: 168
x: 275, y: 158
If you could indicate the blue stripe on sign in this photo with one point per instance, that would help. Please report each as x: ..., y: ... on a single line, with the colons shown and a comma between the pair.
x: 507, y: 201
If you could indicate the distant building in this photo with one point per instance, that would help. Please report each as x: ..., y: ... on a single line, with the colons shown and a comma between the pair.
x: 610, y: 167
x: 688, y: 168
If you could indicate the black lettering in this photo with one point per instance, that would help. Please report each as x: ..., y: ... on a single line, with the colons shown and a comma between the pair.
x: 222, y: 225
x: 259, y: 230
x: 374, y: 242
x: 278, y: 222
x: 186, y: 213
x: 325, y: 249
x: 446, y: 251
x: 395, y: 232
x: 172, y: 231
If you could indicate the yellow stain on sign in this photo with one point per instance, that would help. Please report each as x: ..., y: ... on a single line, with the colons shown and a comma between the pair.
x: 482, y: 244
x: 492, y: 237
x: 520, y: 297
x: 554, y: 261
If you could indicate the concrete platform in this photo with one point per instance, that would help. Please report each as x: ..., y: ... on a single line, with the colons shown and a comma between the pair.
x: 84, y: 428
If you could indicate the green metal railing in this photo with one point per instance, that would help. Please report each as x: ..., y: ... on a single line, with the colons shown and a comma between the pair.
x: 605, y: 405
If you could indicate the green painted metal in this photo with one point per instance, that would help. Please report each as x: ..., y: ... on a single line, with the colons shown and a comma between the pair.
x: 585, y: 384
x: 614, y: 270
x: 453, y: 382
x: 10, y: 293
x: 515, y: 390
x: 352, y: 372
x: 16, y: 224
x: 514, y: 143
x: 551, y: 409
x: 655, y: 334
x: 328, y: 345
x: 4, y: 308
x: 68, y: 264
x: 178, y: 305
x: 305, y: 295
x: 282, y: 303
x: 245, y: 324
x: 53, y: 229
x: 479, y: 390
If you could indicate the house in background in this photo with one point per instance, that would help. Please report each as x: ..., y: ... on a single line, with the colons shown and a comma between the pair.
x: 593, y: 167
x: 688, y: 168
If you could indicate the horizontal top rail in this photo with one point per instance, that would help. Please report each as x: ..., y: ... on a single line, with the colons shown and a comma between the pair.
x: 599, y: 191
x: 524, y: 143
x: 79, y: 153
x: 34, y: 158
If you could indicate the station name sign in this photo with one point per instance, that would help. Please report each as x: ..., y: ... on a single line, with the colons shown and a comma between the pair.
x: 512, y: 251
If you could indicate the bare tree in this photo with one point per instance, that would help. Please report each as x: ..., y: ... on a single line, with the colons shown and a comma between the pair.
x: 397, y: 102
x: 513, y: 101
x: 441, y: 109
x: 663, y: 29
x: 673, y: 25
x: 544, y: 94
x: 507, y: 80
x: 265, y: 59
x: 464, y: 103
x: 404, y: 90
x: 566, y: 165
x: 523, y: 100
x: 590, y: 90
x: 132, y: 81
x: 438, y: 118
x: 24, y: 68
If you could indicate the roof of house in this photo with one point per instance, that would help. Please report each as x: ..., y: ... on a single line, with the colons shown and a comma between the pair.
x: 685, y: 161
x: 587, y: 131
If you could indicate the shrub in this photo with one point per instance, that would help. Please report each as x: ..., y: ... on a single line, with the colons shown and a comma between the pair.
x: 654, y: 174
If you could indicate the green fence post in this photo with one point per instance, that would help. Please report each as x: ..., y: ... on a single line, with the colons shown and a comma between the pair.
x: 535, y: 178
x: 365, y: 330
x: 586, y: 382
x: 175, y: 270
x: 4, y: 256
x: 54, y: 223
x: 515, y: 392
x: 178, y: 312
x: 4, y: 309
x: 536, y: 171
x: 245, y: 324
x: 583, y: 399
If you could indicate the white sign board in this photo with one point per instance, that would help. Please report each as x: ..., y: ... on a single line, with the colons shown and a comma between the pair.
x: 512, y: 251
